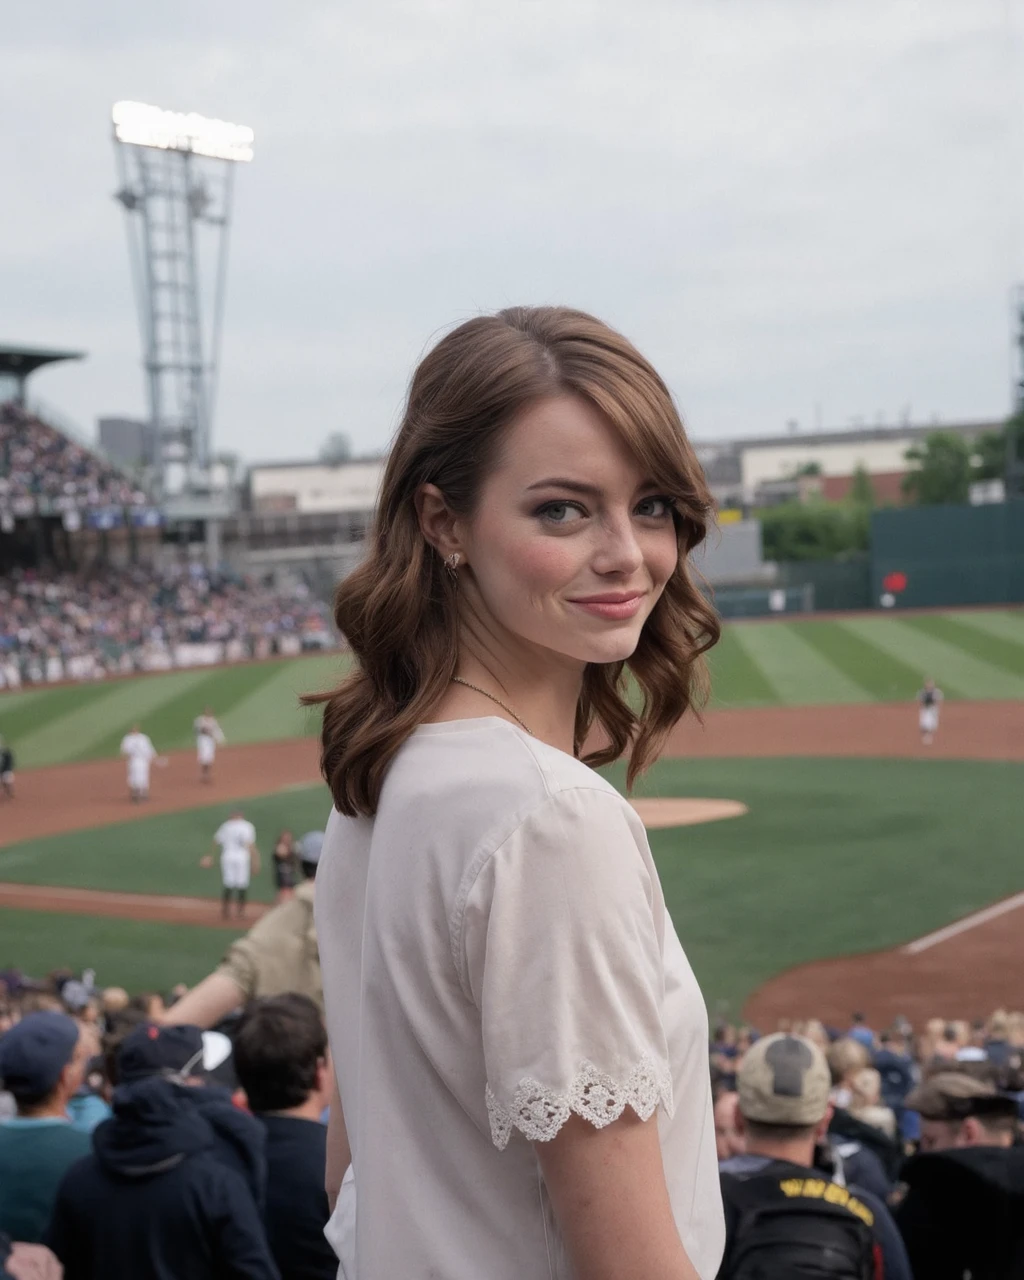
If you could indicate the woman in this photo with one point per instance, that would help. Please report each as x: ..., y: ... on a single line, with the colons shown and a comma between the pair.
x: 285, y: 858
x: 520, y: 1044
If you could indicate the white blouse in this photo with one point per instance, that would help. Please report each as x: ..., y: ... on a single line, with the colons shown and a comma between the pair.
x: 496, y: 954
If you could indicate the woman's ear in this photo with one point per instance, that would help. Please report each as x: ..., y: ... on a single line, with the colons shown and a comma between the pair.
x: 438, y: 523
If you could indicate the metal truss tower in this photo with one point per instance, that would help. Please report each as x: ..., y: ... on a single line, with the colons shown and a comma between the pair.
x: 176, y: 176
x: 1015, y: 427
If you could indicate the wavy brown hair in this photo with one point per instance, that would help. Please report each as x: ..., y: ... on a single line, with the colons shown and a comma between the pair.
x: 398, y: 609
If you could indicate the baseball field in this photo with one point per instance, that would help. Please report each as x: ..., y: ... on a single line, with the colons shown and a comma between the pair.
x: 867, y: 870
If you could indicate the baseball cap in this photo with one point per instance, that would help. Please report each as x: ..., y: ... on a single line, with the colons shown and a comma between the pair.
x: 35, y: 1051
x: 954, y: 1095
x: 784, y: 1080
x: 150, y: 1050
x: 310, y: 847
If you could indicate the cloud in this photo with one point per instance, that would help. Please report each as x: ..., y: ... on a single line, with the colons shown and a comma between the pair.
x: 784, y: 202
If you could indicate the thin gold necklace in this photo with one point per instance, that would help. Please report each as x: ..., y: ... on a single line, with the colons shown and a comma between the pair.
x: 504, y: 705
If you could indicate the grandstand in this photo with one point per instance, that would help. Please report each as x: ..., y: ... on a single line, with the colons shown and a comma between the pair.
x: 95, y: 580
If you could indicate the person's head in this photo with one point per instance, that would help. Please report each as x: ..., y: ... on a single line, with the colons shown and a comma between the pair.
x: 783, y: 1086
x: 960, y: 1110
x: 176, y: 1052
x: 997, y: 1026
x: 846, y: 1057
x: 150, y: 1004
x: 929, y: 683
x: 728, y: 1139
x: 115, y: 999
x: 281, y: 1056
x: 538, y: 505
x: 858, y: 1020
x: 43, y: 1060
x: 866, y: 1088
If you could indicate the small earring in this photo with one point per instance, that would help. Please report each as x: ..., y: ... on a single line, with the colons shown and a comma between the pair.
x: 452, y: 565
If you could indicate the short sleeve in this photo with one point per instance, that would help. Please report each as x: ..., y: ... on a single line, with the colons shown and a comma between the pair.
x: 562, y: 947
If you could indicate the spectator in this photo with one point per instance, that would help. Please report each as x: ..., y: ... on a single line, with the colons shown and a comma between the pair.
x: 861, y: 1032
x: 169, y: 1189
x: 845, y: 1058
x: 42, y: 1062
x: 997, y: 1044
x: 279, y: 954
x: 285, y: 866
x: 866, y: 1102
x: 728, y: 1139
x: 779, y: 1208
x: 895, y: 1066
x: 963, y: 1211
x: 283, y: 1064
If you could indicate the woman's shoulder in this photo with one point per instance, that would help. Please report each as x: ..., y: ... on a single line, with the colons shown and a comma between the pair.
x: 503, y: 769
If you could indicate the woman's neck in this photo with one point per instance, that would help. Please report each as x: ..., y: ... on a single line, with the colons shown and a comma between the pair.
x: 542, y: 693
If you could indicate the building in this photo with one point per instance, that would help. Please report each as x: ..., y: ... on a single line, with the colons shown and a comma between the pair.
x: 760, y: 470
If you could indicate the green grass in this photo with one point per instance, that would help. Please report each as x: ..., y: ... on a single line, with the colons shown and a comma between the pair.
x: 834, y: 857
x: 135, y: 954
x: 161, y: 854
x: 762, y: 663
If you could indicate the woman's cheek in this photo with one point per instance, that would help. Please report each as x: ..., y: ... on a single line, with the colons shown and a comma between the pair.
x: 543, y: 565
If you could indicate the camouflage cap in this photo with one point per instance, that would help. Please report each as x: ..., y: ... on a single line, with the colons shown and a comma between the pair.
x: 784, y: 1080
x: 954, y: 1095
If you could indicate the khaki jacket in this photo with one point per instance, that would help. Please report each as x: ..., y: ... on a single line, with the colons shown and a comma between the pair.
x: 279, y: 953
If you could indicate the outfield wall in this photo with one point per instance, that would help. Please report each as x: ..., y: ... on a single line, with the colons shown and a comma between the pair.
x: 949, y: 555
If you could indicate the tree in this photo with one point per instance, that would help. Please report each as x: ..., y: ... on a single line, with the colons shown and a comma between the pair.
x: 862, y: 491
x: 336, y: 448
x: 942, y: 471
x: 990, y: 449
x: 813, y: 530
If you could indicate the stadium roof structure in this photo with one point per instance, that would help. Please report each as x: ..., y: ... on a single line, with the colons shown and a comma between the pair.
x: 19, y: 362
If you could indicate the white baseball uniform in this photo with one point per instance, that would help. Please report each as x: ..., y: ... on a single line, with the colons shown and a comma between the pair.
x: 140, y: 753
x: 928, y: 714
x: 209, y: 736
x: 235, y: 837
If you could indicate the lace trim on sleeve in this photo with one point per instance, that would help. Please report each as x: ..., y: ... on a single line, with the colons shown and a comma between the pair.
x: 539, y: 1113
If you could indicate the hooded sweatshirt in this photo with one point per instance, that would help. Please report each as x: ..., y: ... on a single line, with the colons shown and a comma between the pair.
x: 164, y: 1194
x: 963, y: 1213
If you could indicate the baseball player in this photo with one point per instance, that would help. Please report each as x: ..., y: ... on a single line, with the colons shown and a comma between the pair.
x: 929, y: 699
x: 6, y: 770
x: 239, y: 859
x: 209, y: 736
x: 140, y: 754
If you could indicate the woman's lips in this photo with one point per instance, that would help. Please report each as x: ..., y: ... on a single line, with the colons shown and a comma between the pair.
x: 616, y: 608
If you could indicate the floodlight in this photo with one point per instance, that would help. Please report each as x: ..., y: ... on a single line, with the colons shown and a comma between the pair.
x: 141, y: 125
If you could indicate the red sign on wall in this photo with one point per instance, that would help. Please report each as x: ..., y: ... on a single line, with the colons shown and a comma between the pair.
x: 895, y: 582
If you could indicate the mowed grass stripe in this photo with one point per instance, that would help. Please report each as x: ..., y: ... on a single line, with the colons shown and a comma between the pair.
x: 883, y: 676
x: 996, y: 650
x: 24, y: 714
x: 272, y: 711
x: 75, y: 735
x: 170, y: 724
x: 736, y: 679
x: 1006, y: 623
x: 799, y: 673
x: 958, y: 673
x: 140, y: 955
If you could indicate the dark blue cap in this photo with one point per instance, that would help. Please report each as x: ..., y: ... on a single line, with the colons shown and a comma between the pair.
x: 34, y: 1053
x: 150, y: 1050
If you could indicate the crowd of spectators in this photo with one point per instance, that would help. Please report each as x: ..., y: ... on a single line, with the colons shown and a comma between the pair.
x: 40, y: 463
x: 132, y: 1143
x: 56, y: 625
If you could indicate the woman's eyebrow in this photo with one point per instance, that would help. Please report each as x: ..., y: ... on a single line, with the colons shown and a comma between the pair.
x: 560, y: 482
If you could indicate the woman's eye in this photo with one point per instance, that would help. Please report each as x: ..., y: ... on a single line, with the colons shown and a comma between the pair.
x: 655, y: 507
x: 560, y: 513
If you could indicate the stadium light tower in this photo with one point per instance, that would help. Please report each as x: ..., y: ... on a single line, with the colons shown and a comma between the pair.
x: 176, y: 176
x: 1015, y: 431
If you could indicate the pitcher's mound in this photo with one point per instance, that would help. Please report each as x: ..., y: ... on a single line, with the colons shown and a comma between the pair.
x: 679, y: 812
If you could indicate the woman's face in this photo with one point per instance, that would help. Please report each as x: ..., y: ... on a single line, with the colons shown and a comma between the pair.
x: 572, y: 543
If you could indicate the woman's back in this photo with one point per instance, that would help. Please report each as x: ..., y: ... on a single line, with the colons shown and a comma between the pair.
x: 496, y: 953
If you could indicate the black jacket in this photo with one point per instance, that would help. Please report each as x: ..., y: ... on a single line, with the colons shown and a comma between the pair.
x: 963, y: 1213
x: 165, y: 1193
x: 297, y: 1209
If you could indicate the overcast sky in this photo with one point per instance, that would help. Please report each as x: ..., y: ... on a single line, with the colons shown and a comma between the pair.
x: 798, y: 209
